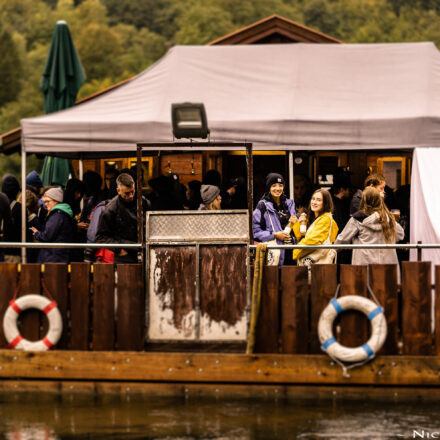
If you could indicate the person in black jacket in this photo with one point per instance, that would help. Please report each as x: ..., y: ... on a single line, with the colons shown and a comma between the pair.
x: 59, y: 228
x: 118, y: 221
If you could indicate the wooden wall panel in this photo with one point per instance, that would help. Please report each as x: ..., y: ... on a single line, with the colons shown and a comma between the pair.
x: 55, y: 280
x: 323, y: 287
x: 268, y: 320
x: 29, y: 321
x: 79, y: 306
x: 103, y: 307
x: 181, y: 165
x: 294, y: 309
x: 416, y: 308
x: 437, y: 312
x: 8, y: 284
x: 383, y: 282
x: 131, y: 307
x: 354, y: 325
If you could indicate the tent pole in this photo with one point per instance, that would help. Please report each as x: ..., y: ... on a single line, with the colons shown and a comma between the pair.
x: 291, y: 175
x: 81, y: 175
x: 23, y: 201
x: 250, y: 188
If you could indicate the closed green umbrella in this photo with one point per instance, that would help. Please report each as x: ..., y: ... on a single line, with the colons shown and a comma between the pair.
x: 62, y: 78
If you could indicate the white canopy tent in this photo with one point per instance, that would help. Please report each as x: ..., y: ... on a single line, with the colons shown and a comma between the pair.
x: 287, y: 96
x: 312, y: 96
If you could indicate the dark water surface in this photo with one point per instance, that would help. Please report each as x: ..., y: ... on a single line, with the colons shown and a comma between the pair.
x: 45, y: 417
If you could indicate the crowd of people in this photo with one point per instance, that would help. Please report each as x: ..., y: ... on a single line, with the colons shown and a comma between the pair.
x: 373, y: 215
x: 93, y: 210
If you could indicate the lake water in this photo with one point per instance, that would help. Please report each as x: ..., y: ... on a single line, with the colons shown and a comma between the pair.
x: 46, y: 417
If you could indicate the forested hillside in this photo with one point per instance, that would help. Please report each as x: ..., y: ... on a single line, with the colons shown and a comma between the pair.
x: 117, y: 39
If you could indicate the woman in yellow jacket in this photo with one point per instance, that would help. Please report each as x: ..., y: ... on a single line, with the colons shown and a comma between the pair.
x: 319, y: 222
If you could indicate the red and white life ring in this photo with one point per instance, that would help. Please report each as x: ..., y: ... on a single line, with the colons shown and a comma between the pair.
x: 12, y: 334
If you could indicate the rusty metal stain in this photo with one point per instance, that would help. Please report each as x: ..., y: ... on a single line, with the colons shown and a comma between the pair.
x: 223, y: 283
x: 174, y: 282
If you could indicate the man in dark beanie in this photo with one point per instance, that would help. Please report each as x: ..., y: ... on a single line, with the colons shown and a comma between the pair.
x: 211, y: 197
x: 33, y: 182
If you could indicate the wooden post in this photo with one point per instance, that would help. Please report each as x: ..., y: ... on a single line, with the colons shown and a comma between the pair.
x: 383, y: 282
x: 103, y: 307
x: 437, y: 312
x: 55, y: 279
x: 268, y: 321
x: 323, y: 288
x: 131, y: 308
x: 354, y: 325
x: 30, y: 283
x: 294, y: 309
x: 416, y: 308
x: 8, y: 284
x: 79, y: 306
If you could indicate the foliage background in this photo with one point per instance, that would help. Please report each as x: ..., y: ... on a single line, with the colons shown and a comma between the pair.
x: 117, y: 39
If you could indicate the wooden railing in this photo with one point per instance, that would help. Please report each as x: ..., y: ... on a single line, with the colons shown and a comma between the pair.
x: 104, y: 309
x: 290, y: 307
x: 87, y: 302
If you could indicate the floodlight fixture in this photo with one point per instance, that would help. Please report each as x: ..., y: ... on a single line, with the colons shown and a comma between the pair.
x: 189, y: 120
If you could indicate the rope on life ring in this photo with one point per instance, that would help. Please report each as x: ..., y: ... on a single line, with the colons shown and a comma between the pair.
x: 363, y: 353
x: 48, y: 307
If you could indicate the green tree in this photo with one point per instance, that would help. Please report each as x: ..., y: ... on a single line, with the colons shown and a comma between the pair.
x: 10, y: 69
x: 202, y: 24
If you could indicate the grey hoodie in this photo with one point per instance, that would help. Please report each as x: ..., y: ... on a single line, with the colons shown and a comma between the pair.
x: 367, y: 230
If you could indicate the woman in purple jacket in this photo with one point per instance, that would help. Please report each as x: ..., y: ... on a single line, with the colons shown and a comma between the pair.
x: 275, y: 209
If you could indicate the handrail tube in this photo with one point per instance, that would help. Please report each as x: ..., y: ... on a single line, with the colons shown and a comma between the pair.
x: 71, y: 245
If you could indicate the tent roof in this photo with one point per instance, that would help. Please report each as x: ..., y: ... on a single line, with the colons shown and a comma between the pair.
x: 287, y: 96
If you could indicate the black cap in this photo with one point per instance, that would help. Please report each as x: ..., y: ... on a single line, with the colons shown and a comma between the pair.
x: 273, y: 178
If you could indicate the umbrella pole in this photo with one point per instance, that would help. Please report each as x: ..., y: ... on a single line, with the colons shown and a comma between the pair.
x: 291, y: 175
x: 23, y: 201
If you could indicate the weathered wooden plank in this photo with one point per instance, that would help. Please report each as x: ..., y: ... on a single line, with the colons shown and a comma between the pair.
x: 216, y: 367
x: 29, y: 321
x: 437, y: 312
x: 383, y: 283
x: 8, y: 284
x: 323, y: 288
x: 172, y: 304
x: 103, y: 307
x: 86, y: 389
x: 223, y: 295
x: 266, y: 339
x: 416, y: 308
x: 353, y: 324
x: 131, y: 307
x: 294, y: 309
x: 55, y: 280
x: 79, y: 306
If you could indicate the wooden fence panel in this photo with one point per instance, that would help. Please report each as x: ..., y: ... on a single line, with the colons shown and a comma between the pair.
x: 8, y: 284
x: 55, y: 279
x: 354, y: 325
x: 268, y: 320
x: 383, y: 283
x: 223, y: 292
x: 437, y: 312
x: 103, y: 307
x: 323, y: 287
x: 416, y: 308
x: 29, y: 321
x: 79, y: 306
x: 294, y: 309
x: 131, y: 308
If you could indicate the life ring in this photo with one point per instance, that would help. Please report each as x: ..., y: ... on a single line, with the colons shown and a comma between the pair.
x: 13, y: 336
x: 378, y: 328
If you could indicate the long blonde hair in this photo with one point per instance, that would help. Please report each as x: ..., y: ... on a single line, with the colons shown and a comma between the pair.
x: 372, y: 202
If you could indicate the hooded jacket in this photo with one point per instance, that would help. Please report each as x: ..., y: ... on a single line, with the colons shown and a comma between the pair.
x: 262, y: 224
x: 363, y: 229
x: 60, y: 227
